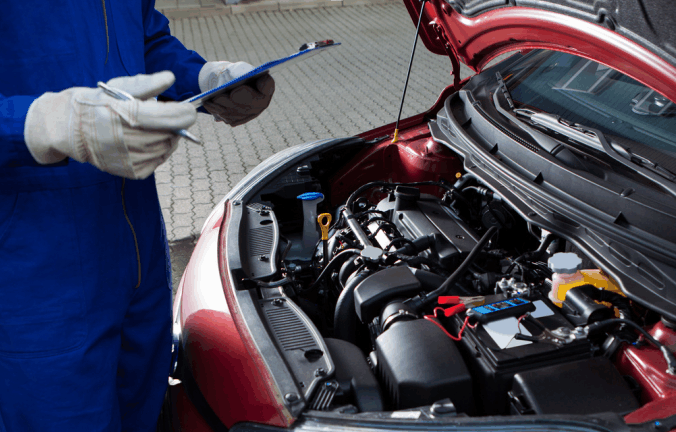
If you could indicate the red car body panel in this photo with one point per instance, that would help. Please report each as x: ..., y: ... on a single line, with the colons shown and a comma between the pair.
x: 225, y: 364
x: 415, y: 157
x: 185, y: 416
x: 647, y: 366
x: 412, y: 122
x: 658, y: 409
x: 475, y: 41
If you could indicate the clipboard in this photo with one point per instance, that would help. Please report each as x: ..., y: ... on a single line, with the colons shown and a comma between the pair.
x: 306, y: 51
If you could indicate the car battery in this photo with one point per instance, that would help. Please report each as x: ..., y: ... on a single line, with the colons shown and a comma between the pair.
x: 494, y: 355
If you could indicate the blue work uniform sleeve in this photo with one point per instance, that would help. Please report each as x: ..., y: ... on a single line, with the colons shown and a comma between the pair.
x: 164, y: 52
x: 161, y: 51
x: 13, y: 112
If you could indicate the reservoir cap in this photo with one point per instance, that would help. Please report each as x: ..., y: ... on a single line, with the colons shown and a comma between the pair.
x: 565, y: 262
x: 309, y: 196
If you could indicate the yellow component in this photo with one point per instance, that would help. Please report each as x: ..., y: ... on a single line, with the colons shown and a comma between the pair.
x: 601, y: 280
x: 458, y: 175
x: 324, y: 221
x: 593, y: 277
x: 396, y: 136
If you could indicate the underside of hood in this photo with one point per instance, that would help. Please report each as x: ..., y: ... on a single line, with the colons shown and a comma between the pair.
x: 633, y: 36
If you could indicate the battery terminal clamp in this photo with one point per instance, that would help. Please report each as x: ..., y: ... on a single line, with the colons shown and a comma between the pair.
x: 557, y: 336
x: 459, y: 304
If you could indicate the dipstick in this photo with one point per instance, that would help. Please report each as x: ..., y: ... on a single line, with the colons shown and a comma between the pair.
x: 324, y: 221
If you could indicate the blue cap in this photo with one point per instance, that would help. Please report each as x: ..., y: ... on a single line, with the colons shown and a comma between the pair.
x: 309, y: 196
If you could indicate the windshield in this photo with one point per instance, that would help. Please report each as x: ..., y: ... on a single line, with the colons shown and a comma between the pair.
x: 597, y: 96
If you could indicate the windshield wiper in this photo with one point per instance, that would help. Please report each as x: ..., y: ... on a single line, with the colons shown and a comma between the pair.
x: 576, y: 132
x: 593, y: 138
x: 652, y: 166
x: 505, y: 91
x: 588, y: 137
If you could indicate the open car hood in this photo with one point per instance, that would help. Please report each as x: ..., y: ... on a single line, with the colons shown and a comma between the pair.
x: 633, y: 36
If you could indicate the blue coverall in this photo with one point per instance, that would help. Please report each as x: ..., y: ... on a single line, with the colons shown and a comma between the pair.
x: 85, y: 289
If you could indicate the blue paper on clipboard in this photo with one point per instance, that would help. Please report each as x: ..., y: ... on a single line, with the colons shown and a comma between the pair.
x: 306, y: 51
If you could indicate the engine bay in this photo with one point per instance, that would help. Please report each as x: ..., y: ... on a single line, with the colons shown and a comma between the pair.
x: 430, y: 290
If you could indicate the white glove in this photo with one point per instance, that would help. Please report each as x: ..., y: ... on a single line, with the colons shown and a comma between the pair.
x: 125, y: 138
x: 242, y: 104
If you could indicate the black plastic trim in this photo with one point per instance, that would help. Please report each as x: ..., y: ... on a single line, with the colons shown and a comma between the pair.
x: 295, y: 335
x: 246, y: 297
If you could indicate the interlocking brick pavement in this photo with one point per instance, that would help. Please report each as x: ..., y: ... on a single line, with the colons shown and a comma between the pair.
x: 347, y: 90
x: 208, y: 8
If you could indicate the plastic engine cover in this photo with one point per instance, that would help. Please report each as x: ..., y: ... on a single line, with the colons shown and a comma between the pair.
x: 427, y: 216
x: 420, y: 365
x: 582, y: 387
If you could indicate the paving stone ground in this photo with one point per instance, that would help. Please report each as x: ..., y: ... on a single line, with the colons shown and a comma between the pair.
x: 344, y: 91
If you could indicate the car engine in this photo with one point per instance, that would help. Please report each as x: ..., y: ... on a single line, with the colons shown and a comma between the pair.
x: 431, y: 294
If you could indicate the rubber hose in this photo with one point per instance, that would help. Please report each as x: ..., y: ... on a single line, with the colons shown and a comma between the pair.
x: 333, y: 265
x: 345, y: 316
x: 429, y: 281
x: 346, y: 270
x: 666, y: 353
x: 367, y: 186
x: 620, y: 302
x: 417, y: 260
x: 542, y: 249
x: 332, y: 244
x: 418, y: 245
x: 462, y: 268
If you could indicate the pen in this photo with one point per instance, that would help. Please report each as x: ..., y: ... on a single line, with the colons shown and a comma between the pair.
x: 123, y: 95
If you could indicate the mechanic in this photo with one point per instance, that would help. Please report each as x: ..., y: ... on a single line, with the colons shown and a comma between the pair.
x: 85, y: 306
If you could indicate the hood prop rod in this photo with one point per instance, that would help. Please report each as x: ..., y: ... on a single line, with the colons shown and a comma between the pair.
x: 408, y: 74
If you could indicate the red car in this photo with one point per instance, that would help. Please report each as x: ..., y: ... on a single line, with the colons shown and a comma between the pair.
x: 508, y: 262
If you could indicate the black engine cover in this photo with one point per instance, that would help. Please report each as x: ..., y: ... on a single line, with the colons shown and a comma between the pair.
x: 419, y: 365
x: 428, y: 216
x: 583, y: 387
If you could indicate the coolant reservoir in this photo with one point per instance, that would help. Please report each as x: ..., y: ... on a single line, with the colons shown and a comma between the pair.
x: 566, y: 268
x: 567, y: 275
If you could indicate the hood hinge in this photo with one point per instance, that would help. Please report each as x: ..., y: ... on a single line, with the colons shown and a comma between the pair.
x: 450, y: 51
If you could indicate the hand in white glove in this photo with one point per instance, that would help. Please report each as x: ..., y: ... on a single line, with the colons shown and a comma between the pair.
x: 242, y: 104
x: 125, y: 138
